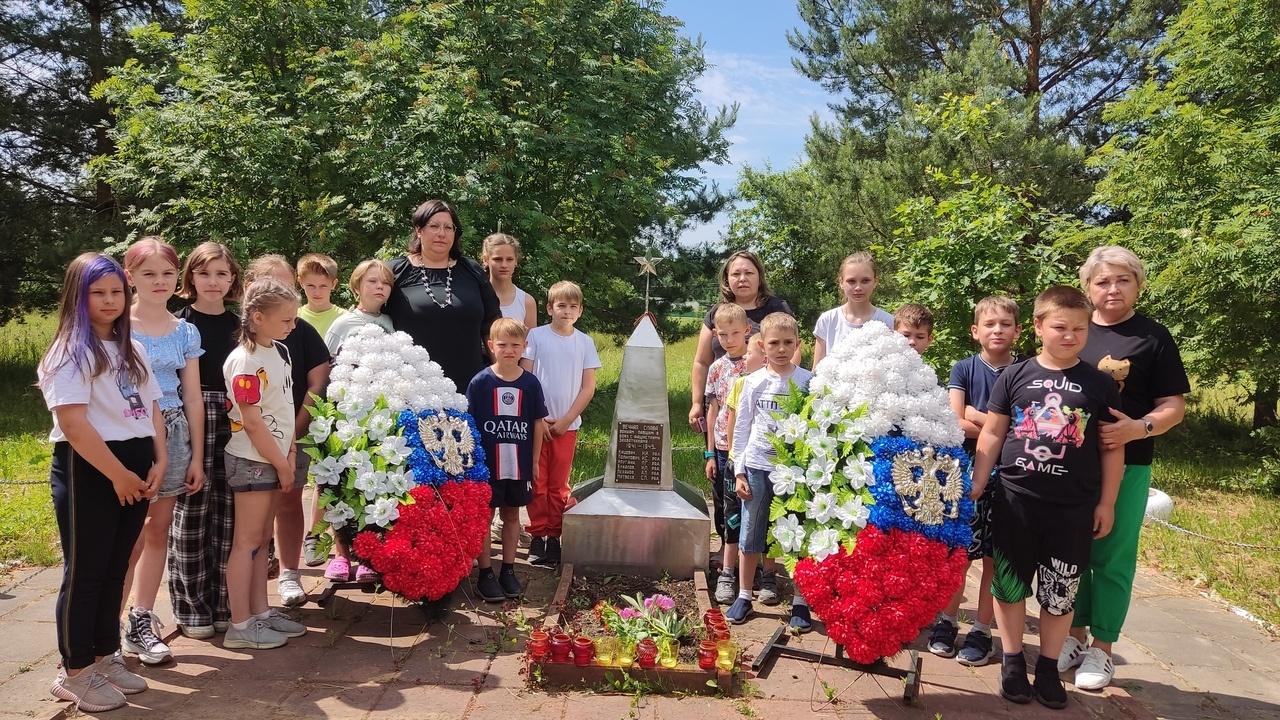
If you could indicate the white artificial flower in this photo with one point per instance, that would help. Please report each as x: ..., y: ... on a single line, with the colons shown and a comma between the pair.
x: 338, y: 514
x: 792, y: 428
x: 819, y: 472
x: 320, y: 429
x: 784, y: 479
x: 382, y: 512
x: 789, y: 533
x: 822, y: 508
x: 850, y: 432
x: 859, y: 473
x: 347, y: 430
x: 825, y: 414
x: 370, y: 483
x: 356, y: 459
x: 852, y: 512
x: 398, y: 483
x: 821, y: 444
x: 824, y: 542
x: 395, y: 449
x: 379, y: 424
x: 328, y: 471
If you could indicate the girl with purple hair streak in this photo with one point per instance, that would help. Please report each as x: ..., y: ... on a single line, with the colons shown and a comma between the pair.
x: 109, y: 459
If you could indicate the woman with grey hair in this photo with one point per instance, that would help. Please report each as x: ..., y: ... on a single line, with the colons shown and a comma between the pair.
x: 1141, y: 356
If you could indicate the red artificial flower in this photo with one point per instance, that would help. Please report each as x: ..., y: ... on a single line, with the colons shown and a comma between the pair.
x: 876, y: 600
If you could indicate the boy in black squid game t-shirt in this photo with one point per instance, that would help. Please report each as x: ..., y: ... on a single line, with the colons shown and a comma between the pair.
x: 508, y: 405
x: 1057, y: 489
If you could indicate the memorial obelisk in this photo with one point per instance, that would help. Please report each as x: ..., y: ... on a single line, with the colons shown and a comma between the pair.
x: 641, y: 519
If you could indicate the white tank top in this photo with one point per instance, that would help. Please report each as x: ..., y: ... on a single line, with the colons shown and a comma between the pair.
x: 515, y: 310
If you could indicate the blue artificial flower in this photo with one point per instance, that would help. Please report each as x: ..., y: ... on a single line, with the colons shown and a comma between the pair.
x: 451, y: 451
x: 929, y: 501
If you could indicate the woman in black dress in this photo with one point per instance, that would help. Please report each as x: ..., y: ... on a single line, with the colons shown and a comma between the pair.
x: 441, y: 299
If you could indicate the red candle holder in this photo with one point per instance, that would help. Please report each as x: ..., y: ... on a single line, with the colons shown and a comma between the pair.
x: 584, y: 650
x: 707, y: 654
x: 561, y: 646
x: 647, y: 653
x: 538, y: 646
x: 711, y: 616
x: 718, y: 631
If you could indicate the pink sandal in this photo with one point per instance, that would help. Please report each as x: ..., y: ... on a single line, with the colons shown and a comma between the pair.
x: 339, y: 570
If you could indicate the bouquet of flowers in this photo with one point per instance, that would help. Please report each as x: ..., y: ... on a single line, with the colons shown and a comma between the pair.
x: 871, y: 510
x: 645, y: 617
x: 398, y: 465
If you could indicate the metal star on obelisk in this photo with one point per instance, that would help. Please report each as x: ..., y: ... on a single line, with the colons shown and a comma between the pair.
x: 647, y: 268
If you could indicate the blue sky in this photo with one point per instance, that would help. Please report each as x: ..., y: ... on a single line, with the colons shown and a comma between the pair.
x: 749, y: 62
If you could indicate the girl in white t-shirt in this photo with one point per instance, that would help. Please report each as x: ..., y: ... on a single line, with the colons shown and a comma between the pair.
x: 500, y: 255
x: 108, y: 460
x: 173, y: 349
x: 857, y: 278
x: 260, y: 458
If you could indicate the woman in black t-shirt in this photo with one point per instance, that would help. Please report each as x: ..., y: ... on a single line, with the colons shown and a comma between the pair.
x: 741, y: 281
x: 441, y: 299
x: 1141, y: 356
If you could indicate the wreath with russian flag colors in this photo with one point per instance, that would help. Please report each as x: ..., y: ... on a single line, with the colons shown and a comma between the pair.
x: 399, y: 466
x: 871, y: 503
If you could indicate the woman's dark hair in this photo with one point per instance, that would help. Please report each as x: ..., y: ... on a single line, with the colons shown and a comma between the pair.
x: 726, y: 293
x: 422, y: 216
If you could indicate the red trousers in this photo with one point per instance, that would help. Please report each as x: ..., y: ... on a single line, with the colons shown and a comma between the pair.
x: 551, y: 490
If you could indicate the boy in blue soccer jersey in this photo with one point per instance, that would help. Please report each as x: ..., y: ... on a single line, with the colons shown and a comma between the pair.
x: 508, y: 406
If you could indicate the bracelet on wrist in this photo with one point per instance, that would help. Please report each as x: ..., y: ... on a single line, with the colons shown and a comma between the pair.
x: 708, y: 454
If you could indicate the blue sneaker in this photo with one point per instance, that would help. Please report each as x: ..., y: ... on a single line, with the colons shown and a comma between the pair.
x: 801, y: 620
x: 739, y: 611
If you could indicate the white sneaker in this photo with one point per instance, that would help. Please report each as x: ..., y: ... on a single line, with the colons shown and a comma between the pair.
x: 198, y: 632
x: 290, y: 589
x: 1096, y: 670
x: 1072, y: 654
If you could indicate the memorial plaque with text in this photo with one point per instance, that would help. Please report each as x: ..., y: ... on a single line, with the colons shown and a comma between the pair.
x: 639, y: 453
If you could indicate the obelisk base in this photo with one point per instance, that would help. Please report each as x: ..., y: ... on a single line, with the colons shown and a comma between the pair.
x: 643, y: 532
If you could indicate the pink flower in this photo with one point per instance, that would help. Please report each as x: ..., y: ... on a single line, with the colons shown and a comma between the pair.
x: 629, y: 613
x: 663, y: 602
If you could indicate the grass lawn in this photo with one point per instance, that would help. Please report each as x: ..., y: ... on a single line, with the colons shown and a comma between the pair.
x: 1204, y: 464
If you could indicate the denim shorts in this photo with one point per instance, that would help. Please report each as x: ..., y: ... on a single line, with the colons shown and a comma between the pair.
x: 755, y: 512
x: 245, y: 475
x: 178, y: 444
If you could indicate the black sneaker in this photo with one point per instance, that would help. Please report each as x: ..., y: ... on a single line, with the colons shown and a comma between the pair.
x: 1014, y: 686
x: 1048, y: 687
x: 537, y: 550
x: 942, y: 641
x: 977, y: 650
x: 510, y: 584
x: 273, y: 562
x: 755, y: 579
x: 488, y: 587
x: 552, y: 558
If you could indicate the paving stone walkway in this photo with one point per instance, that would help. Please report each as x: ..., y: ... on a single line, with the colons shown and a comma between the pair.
x: 1183, y: 657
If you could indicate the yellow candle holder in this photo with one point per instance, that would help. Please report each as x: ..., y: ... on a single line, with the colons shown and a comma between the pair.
x: 668, y: 651
x: 626, y: 653
x: 606, y: 650
x: 726, y: 655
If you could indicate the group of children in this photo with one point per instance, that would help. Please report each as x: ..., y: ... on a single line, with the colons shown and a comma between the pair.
x: 1044, y: 487
x: 175, y: 441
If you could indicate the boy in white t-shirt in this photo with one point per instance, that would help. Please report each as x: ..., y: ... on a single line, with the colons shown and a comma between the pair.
x: 565, y: 361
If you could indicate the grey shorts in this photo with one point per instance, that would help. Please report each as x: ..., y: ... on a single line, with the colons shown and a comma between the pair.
x: 178, y: 444
x: 245, y: 475
x: 754, y: 537
x: 301, y: 469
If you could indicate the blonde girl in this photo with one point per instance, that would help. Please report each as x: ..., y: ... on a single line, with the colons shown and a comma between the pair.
x: 500, y: 255
x: 857, y: 278
x: 200, y: 534
x: 172, y: 346
x: 261, y: 458
x: 108, y: 435
x: 309, y: 375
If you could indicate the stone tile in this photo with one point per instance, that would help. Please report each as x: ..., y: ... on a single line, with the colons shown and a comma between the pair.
x: 330, y: 700
x: 28, y: 642
x: 26, y: 694
x: 597, y: 707
x: 509, y: 704
x: 702, y: 708
x: 447, y: 668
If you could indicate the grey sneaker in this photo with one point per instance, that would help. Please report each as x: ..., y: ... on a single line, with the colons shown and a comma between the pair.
x: 142, y: 639
x: 290, y: 589
x: 726, y: 587
x: 258, y: 636
x: 311, y: 552
x: 768, y: 594
x: 89, y: 690
x: 285, y: 625
x: 113, y: 669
